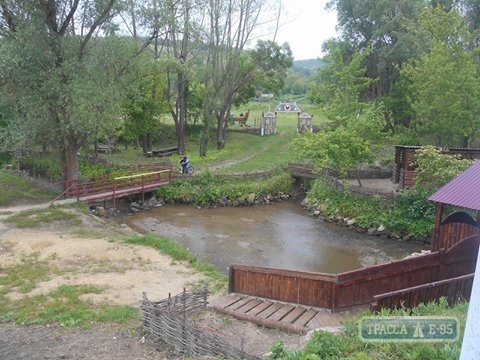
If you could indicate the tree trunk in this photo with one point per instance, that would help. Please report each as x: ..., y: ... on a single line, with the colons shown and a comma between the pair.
x: 221, y: 130
x: 69, y: 162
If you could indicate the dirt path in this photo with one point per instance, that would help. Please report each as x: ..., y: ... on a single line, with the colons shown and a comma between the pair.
x: 94, y: 254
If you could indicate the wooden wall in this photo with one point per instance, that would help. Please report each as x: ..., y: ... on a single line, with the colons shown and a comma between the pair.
x: 453, y: 290
x: 448, y: 235
x: 306, y: 288
x: 337, y: 292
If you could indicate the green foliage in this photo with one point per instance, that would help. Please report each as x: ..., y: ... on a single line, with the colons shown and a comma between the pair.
x: 347, y: 344
x: 410, y: 214
x: 208, y: 189
x: 340, y: 150
x: 15, y: 188
x: 44, y: 165
x: 435, y: 168
x: 366, y: 211
x: 33, y: 218
x: 340, y: 85
x: 444, y: 81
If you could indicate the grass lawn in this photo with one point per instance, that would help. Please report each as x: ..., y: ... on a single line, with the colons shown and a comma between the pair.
x: 243, y: 152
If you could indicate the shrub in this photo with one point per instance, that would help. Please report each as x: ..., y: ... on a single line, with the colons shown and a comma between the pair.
x: 208, y: 189
x: 411, y: 213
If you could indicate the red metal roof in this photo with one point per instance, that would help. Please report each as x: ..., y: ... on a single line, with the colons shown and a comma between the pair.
x: 462, y: 191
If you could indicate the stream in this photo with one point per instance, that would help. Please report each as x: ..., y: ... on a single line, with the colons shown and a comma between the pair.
x: 281, y: 235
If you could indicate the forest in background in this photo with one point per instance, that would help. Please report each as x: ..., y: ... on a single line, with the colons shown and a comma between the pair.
x: 75, y: 73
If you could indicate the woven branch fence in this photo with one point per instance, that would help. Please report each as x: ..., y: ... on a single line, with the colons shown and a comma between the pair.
x: 167, y: 319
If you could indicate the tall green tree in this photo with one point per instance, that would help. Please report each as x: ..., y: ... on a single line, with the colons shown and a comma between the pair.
x: 230, y: 67
x: 145, y: 102
x: 340, y: 85
x: 59, y: 74
x: 381, y: 30
x: 444, y: 82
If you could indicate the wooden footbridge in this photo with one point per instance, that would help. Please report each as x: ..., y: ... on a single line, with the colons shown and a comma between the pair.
x: 111, y: 189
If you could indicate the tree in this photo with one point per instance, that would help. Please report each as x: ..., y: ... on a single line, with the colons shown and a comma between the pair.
x: 180, y: 35
x: 145, y: 103
x: 444, y: 82
x: 340, y: 85
x: 339, y: 150
x: 58, y: 75
x: 231, y: 67
x: 382, y: 31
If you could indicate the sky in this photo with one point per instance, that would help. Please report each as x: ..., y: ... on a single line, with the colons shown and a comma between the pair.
x: 305, y: 25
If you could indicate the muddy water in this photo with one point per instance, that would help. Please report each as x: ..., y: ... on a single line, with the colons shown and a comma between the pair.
x: 279, y: 236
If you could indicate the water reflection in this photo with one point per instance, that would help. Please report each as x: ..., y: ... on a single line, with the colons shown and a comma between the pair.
x: 279, y: 236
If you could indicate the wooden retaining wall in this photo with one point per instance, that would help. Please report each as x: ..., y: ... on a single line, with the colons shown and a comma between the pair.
x: 358, y: 287
x: 306, y: 288
x: 453, y: 290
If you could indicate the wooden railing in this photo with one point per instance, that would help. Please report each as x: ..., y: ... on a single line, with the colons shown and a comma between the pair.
x: 119, y: 186
x: 358, y: 287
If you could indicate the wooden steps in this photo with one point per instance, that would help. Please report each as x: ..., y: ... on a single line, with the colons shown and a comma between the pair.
x: 276, y: 314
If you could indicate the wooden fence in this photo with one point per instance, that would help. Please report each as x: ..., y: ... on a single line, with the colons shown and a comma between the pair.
x: 358, y: 287
x: 168, y: 320
x: 455, y: 289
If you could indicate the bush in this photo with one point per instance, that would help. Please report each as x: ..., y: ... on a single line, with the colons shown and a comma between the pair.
x: 347, y: 344
x: 208, y: 189
x: 412, y: 214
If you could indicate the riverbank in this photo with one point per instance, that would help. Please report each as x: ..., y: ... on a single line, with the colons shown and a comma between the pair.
x: 91, y: 253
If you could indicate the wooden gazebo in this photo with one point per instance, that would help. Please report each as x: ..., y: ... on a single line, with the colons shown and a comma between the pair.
x: 457, y: 209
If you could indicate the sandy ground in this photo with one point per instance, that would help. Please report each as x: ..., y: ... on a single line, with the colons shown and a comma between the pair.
x: 94, y: 254
x: 123, y: 271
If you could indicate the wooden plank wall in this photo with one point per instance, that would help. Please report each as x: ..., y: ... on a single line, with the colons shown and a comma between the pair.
x: 454, y: 289
x: 407, y: 178
x: 306, y: 288
x: 359, y: 286
x: 448, y: 235
x: 337, y: 292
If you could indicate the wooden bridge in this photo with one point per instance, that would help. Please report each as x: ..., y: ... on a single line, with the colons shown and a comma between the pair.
x: 111, y: 189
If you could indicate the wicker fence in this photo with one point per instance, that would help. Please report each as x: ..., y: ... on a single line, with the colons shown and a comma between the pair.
x: 168, y: 320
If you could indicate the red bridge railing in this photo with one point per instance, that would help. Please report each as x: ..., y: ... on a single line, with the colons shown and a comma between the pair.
x: 104, y: 189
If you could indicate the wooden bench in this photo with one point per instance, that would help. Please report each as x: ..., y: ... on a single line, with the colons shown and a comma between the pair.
x: 105, y: 148
x: 163, y: 152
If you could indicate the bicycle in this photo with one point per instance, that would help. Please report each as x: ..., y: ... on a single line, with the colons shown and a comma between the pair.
x: 189, y: 171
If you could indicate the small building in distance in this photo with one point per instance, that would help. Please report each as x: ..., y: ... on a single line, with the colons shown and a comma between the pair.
x: 404, y: 169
